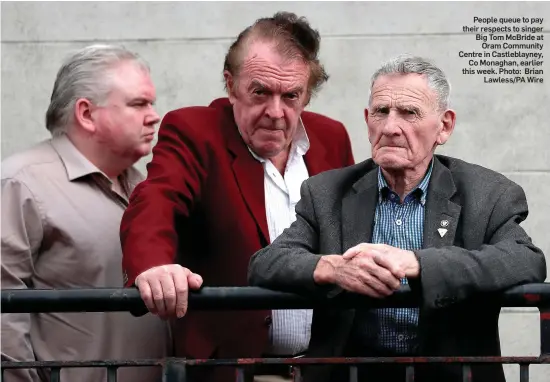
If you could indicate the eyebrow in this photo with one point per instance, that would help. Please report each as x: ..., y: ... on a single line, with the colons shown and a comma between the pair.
x: 142, y: 99
x: 399, y: 106
x: 258, y: 84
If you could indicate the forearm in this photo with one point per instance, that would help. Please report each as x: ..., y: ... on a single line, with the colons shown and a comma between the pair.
x: 283, y: 269
x: 148, y: 238
x: 176, y: 174
x: 455, y: 274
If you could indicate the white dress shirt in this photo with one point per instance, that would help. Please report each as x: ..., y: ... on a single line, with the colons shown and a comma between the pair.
x: 291, y: 329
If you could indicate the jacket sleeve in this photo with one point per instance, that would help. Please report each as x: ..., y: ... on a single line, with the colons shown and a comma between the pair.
x: 508, y: 258
x: 175, y: 178
x: 22, y: 234
x: 288, y: 263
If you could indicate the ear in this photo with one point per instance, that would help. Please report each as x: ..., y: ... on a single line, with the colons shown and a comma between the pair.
x: 447, y: 124
x: 367, y: 122
x: 230, y: 85
x: 83, y: 115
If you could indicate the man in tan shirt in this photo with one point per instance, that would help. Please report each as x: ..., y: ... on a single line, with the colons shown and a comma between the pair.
x: 62, y: 202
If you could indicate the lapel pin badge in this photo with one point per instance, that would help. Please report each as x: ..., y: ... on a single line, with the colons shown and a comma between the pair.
x: 444, y: 223
x: 442, y: 231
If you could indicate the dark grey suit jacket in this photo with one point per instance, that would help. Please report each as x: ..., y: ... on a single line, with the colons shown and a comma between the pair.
x: 484, y: 250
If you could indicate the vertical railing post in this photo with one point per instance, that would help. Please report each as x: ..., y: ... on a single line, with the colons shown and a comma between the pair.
x: 174, y: 371
x: 545, y: 330
x: 524, y: 372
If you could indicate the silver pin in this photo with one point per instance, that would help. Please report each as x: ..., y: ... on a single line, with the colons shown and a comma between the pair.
x: 442, y: 231
x: 444, y: 223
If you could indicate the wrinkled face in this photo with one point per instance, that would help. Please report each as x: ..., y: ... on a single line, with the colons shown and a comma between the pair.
x: 125, y: 123
x: 268, y: 97
x: 404, y: 122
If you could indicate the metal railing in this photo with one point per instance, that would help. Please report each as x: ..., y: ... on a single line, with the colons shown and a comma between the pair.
x: 250, y: 298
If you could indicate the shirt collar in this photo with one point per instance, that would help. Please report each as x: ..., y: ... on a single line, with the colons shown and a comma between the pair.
x: 300, y: 143
x: 420, y: 192
x: 78, y: 166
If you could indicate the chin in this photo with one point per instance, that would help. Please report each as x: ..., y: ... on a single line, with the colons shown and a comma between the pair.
x: 391, y: 162
x: 268, y: 150
x: 143, y: 150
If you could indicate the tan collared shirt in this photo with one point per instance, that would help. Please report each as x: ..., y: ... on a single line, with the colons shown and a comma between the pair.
x: 60, y: 229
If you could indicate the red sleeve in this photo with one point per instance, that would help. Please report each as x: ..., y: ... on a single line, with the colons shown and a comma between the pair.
x: 174, y: 180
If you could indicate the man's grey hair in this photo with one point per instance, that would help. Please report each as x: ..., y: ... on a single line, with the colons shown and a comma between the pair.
x: 405, y: 64
x: 85, y: 74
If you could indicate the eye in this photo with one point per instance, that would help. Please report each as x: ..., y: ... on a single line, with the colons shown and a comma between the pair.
x: 141, y: 103
x: 291, y: 96
x: 382, y: 110
x: 259, y: 92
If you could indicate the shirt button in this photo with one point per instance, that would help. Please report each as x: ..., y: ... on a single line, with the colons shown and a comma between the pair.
x: 398, y: 222
x: 400, y: 337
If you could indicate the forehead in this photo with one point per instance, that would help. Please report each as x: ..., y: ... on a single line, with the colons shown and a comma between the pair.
x: 403, y: 88
x: 130, y: 80
x: 262, y: 63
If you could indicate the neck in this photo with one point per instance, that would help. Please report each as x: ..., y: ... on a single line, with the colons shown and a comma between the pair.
x: 403, y: 181
x: 100, y: 156
x: 279, y: 160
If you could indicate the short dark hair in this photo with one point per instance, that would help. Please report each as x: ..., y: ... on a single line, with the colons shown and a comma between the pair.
x: 294, y: 38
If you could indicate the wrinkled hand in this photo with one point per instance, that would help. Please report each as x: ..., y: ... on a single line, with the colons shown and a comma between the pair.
x: 401, y: 263
x: 164, y: 289
x: 358, y: 274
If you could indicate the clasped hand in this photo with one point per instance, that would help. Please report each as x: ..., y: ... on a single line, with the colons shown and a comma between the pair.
x: 375, y: 270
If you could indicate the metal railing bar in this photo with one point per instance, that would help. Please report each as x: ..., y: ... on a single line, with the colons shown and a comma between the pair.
x: 122, y: 363
x: 523, y: 372
x: 286, y: 361
x: 237, y: 298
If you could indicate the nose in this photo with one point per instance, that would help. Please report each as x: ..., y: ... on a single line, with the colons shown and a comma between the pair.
x: 152, y: 117
x: 391, y: 124
x: 274, y: 108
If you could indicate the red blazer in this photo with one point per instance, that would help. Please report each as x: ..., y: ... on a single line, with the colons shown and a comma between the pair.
x: 202, y: 206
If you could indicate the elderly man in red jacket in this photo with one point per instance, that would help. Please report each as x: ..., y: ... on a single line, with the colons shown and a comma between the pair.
x: 222, y: 184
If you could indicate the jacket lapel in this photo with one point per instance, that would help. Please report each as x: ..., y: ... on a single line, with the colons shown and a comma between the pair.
x: 358, y: 210
x: 315, y: 158
x: 249, y: 173
x: 442, y: 214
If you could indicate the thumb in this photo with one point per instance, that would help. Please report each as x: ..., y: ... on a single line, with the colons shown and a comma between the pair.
x: 350, y: 253
x: 194, y: 280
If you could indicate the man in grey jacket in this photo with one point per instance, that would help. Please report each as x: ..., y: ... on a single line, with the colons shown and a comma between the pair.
x: 448, y: 228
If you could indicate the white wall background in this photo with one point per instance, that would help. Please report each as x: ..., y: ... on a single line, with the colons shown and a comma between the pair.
x: 505, y: 127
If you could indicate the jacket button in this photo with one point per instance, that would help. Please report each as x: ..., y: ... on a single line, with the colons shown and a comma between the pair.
x: 268, y: 321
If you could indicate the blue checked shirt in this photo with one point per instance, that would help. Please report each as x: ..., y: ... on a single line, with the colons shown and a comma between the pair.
x: 393, y: 330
